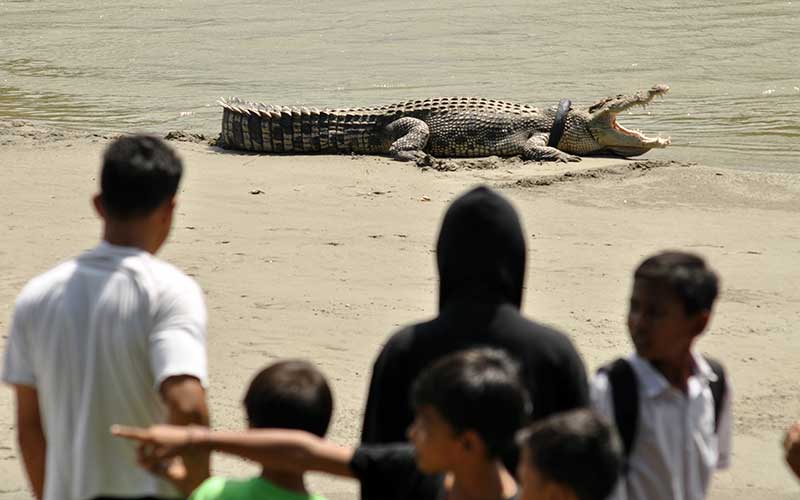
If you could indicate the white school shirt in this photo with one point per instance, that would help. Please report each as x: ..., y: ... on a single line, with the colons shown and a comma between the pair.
x: 96, y: 336
x: 675, y: 449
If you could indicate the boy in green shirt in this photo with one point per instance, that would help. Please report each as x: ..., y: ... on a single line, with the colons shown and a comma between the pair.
x: 286, y: 395
x: 220, y: 488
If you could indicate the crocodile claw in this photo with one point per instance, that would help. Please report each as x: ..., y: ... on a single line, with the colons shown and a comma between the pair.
x: 425, y: 160
x: 565, y: 158
x: 561, y: 157
x: 414, y: 155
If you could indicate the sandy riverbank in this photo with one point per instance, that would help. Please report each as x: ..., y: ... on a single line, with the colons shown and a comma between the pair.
x: 323, y: 257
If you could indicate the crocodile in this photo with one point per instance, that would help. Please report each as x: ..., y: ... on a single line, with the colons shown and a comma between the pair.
x: 456, y: 127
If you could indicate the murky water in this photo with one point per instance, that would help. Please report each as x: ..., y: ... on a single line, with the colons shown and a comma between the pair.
x: 734, y: 66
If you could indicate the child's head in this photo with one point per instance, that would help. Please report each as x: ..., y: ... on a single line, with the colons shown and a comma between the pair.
x: 290, y: 395
x: 569, y: 456
x: 673, y: 294
x: 468, y: 406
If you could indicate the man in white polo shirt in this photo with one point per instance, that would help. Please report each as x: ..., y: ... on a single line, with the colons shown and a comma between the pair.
x: 112, y: 336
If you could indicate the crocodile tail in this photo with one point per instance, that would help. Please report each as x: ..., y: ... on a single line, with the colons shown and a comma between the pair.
x: 272, y: 129
x: 282, y: 129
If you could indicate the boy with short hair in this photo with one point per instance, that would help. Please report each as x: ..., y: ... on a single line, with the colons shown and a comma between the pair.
x: 574, y: 455
x: 671, y: 406
x: 289, y: 394
x: 469, y: 405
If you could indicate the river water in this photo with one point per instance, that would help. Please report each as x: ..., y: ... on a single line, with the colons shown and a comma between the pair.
x: 733, y: 66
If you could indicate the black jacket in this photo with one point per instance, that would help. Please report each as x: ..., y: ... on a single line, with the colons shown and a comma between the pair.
x: 481, y: 259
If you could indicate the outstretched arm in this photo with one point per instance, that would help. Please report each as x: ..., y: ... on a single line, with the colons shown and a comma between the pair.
x: 277, y: 449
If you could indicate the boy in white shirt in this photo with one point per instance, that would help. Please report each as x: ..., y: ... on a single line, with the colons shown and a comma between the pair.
x: 671, y: 406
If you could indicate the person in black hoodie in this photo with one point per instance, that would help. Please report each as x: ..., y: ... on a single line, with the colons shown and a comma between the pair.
x: 481, y: 259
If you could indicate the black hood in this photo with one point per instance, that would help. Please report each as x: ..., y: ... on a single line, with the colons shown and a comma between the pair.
x: 481, y: 251
x: 481, y: 257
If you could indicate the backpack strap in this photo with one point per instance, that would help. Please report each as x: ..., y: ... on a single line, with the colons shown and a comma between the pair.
x: 625, y: 398
x: 719, y: 388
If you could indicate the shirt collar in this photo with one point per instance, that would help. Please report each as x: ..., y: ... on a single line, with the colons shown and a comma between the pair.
x: 108, y: 251
x: 105, y: 248
x: 653, y: 383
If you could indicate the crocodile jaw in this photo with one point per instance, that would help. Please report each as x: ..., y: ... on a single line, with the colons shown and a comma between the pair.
x: 610, y: 134
x: 641, y: 144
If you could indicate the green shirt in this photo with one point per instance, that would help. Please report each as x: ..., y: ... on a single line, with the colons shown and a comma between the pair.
x: 220, y: 488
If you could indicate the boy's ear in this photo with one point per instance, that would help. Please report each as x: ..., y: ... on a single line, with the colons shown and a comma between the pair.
x: 701, y: 320
x: 167, y: 208
x: 97, y: 201
x: 471, y: 441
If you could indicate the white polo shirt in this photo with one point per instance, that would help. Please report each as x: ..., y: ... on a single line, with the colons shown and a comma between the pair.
x: 675, y: 449
x: 96, y: 336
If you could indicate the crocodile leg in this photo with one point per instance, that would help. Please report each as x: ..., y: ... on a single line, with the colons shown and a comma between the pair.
x: 410, y: 137
x: 536, y: 149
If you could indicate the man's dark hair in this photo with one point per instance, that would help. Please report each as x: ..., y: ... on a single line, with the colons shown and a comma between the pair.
x: 576, y: 449
x: 686, y: 274
x: 476, y: 389
x: 140, y: 172
x: 290, y: 394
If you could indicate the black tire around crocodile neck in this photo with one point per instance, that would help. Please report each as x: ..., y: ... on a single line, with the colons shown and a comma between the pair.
x: 557, y: 130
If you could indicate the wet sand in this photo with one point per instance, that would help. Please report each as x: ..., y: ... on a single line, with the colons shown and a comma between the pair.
x: 323, y: 257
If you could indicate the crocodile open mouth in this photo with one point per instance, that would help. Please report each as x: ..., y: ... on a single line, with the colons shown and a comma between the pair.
x: 614, y: 136
x: 633, y: 133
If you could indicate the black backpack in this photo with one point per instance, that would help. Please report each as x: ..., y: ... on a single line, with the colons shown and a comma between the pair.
x: 625, y: 394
